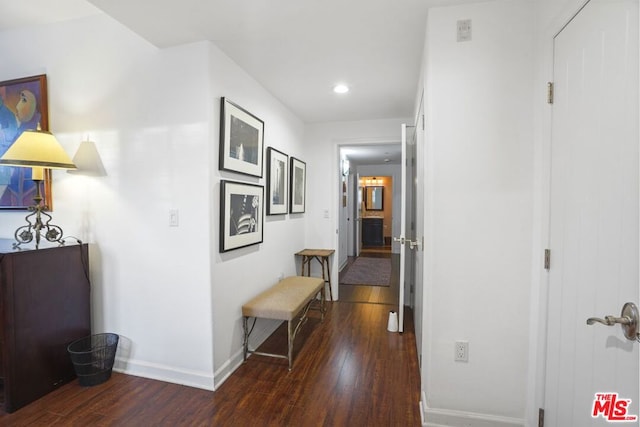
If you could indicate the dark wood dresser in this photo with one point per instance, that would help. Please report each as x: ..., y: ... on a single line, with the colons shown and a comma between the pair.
x: 44, y: 306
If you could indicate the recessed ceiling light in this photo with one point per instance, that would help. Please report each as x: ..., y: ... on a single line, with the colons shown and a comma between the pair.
x: 341, y: 88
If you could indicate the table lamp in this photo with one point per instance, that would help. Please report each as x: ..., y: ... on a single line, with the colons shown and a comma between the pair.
x: 38, y: 150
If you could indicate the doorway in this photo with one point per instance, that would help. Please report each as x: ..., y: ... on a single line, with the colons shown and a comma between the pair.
x: 369, y: 265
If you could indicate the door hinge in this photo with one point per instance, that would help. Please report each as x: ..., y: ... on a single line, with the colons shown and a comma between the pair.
x: 547, y: 259
x: 540, y: 417
x: 423, y: 122
x: 550, y: 93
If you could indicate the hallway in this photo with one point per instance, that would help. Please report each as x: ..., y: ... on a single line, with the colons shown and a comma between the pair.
x: 347, y: 371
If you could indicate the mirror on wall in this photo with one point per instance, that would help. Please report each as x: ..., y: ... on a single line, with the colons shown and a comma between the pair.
x: 373, y: 198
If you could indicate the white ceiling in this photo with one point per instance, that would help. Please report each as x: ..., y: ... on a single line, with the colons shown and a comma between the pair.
x: 296, y: 49
x: 299, y: 49
x: 22, y: 13
x: 373, y: 154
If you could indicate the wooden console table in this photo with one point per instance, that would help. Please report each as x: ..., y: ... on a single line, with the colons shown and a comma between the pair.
x: 322, y: 256
x: 44, y: 306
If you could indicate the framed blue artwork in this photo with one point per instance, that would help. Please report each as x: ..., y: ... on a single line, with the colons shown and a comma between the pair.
x: 23, y: 106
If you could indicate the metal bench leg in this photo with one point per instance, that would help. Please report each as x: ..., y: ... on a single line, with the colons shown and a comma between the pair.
x: 290, y: 340
x: 245, y: 341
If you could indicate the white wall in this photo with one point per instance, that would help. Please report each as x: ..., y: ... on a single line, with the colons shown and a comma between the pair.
x: 150, y: 282
x: 241, y: 274
x: 478, y: 192
x: 154, y: 115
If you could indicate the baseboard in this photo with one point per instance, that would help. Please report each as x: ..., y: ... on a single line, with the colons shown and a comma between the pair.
x: 263, y: 330
x: 228, y: 368
x: 203, y: 380
x: 432, y: 417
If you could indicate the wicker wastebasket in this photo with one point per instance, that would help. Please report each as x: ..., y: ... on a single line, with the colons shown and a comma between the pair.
x: 93, y: 357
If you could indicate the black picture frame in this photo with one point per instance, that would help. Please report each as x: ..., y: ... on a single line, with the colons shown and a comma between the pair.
x: 297, y: 185
x: 277, y: 182
x: 241, y: 215
x: 374, y: 198
x: 241, y: 140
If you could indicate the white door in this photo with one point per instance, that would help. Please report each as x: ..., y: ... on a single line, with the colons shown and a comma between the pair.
x: 593, y: 216
x: 407, y: 214
x: 410, y: 218
x: 419, y: 218
x: 357, y: 215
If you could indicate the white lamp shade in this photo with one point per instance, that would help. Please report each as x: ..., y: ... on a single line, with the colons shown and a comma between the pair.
x: 88, y: 161
x: 37, y: 148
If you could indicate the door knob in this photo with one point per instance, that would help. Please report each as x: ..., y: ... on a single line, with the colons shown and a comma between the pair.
x: 412, y: 243
x: 628, y: 320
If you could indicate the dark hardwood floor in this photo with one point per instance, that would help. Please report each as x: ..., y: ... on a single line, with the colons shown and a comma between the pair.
x: 347, y: 371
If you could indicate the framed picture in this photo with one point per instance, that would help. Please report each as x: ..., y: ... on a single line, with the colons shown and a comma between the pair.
x: 241, y: 140
x: 23, y: 106
x: 278, y: 182
x: 298, y: 171
x: 241, y: 218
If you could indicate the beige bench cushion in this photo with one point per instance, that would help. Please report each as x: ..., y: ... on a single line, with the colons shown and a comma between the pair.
x: 285, y: 299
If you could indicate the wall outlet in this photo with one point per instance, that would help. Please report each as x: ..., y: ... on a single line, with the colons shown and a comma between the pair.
x: 461, y: 351
x: 463, y: 28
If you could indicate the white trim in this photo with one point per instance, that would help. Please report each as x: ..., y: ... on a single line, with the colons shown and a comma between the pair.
x: 154, y: 371
x: 431, y: 417
x: 449, y: 418
x: 190, y: 378
x: 228, y: 368
x: 258, y: 337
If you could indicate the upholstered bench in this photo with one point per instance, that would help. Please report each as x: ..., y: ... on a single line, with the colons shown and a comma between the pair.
x: 289, y: 298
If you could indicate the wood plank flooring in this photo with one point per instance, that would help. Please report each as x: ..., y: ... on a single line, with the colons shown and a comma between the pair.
x: 347, y: 371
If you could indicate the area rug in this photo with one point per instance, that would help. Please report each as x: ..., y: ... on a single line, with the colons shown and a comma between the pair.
x: 368, y: 271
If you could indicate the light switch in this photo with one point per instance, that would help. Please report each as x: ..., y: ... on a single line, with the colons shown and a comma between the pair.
x: 173, y: 218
